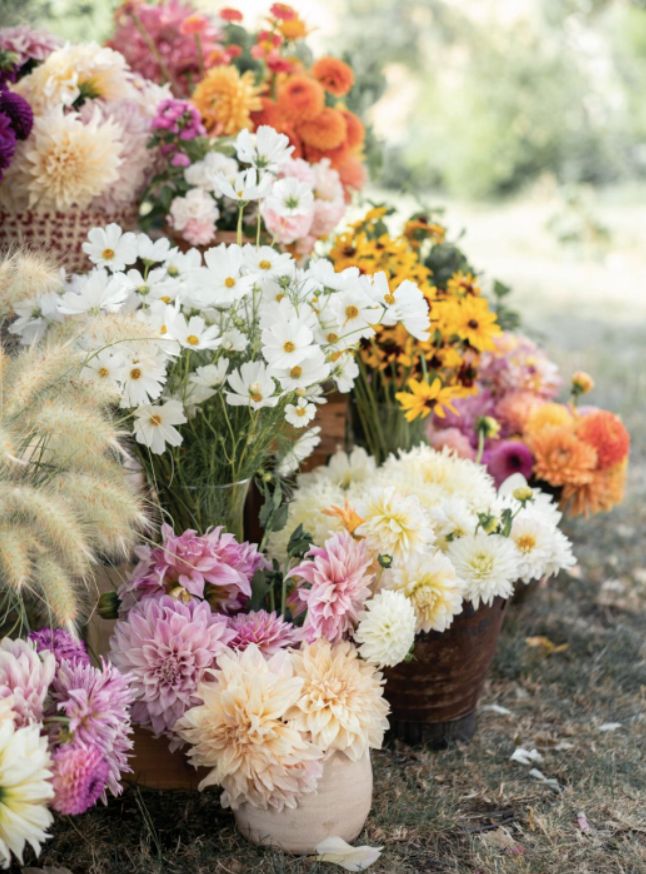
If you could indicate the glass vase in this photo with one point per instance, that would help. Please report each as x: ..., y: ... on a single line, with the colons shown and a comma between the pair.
x: 204, y: 505
x: 382, y: 429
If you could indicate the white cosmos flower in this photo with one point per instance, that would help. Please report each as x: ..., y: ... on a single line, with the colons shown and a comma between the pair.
x: 299, y: 451
x: 154, y: 425
x: 221, y: 282
x: 300, y: 414
x: 234, y: 340
x: 110, y: 247
x: 346, y: 469
x: 289, y: 197
x: 95, y: 293
x: 265, y: 149
x: 268, y: 261
x: 252, y: 386
x: 488, y: 564
x: 406, y: 304
x: 26, y: 790
x: 286, y: 343
x: 157, y: 285
x: 143, y: 380
x: 205, y: 381
x: 180, y: 264
x: 194, y: 333
x: 35, y: 316
x: 205, y: 173
x: 159, y: 317
x: 153, y: 251
x: 245, y: 186
x: 345, y: 372
x: 386, y: 629
x: 432, y: 586
x: 322, y: 274
x: 311, y: 370
x: 354, y: 312
x: 395, y: 524
x: 107, y: 367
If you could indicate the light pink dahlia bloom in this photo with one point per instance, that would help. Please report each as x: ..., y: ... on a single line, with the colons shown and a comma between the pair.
x: 80, y: 776
x: 25, y: 676
x: 269, y: 631
x: 165, y: 647
x: 339, y: 580
x: 96, y: 702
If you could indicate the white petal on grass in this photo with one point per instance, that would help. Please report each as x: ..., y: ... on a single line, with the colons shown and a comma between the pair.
x: 339, y: 852
x: 526, y: 757
x: 553, y: 783
x: 610, y: 726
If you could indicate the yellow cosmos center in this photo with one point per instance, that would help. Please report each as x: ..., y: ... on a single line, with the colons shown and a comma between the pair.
x: 389, y: 298
x: 332, y: 337
x: 288, y: 346
x: 103, y: 371
x: 265, y: 265
x: 192, y: 340
x: 107, y: 254
x: 163, y: 329
x: 255, y: 394
x: 155, y: 420
x: 296, y: 372
x: 165, y: 299
x: 351, y: 312
x: 229, y: 282
x: 300, y: 411
x: 135, y: 373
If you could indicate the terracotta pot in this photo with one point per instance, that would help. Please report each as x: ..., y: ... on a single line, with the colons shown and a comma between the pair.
x: 339, y: 808
x: 434, y: 697
x: 155, y: 767
x: 332, y: 419
x: 59, y: 234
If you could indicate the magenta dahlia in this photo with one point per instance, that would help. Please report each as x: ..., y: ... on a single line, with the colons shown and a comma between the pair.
x: 166, y: 646
x: 61, y: 644
x: 80, y: 776
x: 269, y: 631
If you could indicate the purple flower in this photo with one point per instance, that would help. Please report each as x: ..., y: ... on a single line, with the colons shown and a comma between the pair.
x: 179, y: 159
x: 468, y: 411
x: 27, y: 44
x: 507, y: 457
x: 166, y: 646
x: 7, y: 143
x: 62, y: 644
x: 96, y: 701
x: 269, y: 631
x: 19, y: 113
x: 80, y: 776
x: 179, y: 117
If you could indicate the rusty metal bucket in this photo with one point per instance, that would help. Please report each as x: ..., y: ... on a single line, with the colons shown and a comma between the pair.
x: 434, y: 696
x: 155, y: 767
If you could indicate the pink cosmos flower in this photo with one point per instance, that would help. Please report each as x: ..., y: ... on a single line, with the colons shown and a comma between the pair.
x: 96, y: 701
x: 339, y: 580
x: 269, y: 631
x: 80, y: 777
x: 451, y: 438
x: 166, y: 647
x: 26, y: 676
x: 212, y: 565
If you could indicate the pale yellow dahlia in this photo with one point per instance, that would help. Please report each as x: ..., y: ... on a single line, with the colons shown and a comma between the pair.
x: 71, y: 163
x: 341, y: 705
x: 225, y: 99
x: 432, y: 586
x: 243, y: 732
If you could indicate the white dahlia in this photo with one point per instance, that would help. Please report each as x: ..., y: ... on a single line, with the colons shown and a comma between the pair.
x: 386, y: 629
x: 395, y: 524
x: 433, y: 588
x: 488, y: 563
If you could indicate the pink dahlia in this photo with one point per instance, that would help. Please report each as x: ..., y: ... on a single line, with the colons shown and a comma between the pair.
x: 61, y: 644
x: 80, y: 777
x: 339, y: 580
x: 166, y: 646
x: 451, y: 438
x: 96, y: 701
x: 212, y: 565
x: 25, y: 675
x: 269, y: 631
x: 28, y: 44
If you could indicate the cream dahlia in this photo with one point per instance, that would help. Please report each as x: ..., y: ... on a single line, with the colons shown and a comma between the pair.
x: 25, y: 676
x: 433, y: 588
x: 395, y: 524
x: 386, y: 629
x: 243, y: 732
x: 488, y: 563
x: 341, y: 704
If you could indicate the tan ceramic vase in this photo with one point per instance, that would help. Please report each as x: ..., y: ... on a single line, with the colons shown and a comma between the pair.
x: 339, y: 808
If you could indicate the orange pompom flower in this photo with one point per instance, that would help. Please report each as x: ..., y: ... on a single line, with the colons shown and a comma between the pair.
x: 604, y: 491
x: 356, y: 132
x: 327, y: 130
x: 301, y: 98
x: 334, y: 75
x: 228, y: 13
x: 548, y: 415
x: 352, y: 173
x: 226, y: 99
x: 561, y: 458
x: 607, y: 433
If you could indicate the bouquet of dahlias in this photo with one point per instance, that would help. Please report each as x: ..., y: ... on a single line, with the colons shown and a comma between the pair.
x: 514, y: 425
x: 64, y: 735
x: 409, y: 370
x: 217, y: 361
x: 189, y: 642
x: 430, y: 526
x: 75, y: 150
x: 204, y: 182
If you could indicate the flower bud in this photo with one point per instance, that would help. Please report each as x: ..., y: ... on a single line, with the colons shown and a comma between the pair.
x: 582, y: 383
x: 488, y: 426
x: 523, y: 494
x: 108, y: 605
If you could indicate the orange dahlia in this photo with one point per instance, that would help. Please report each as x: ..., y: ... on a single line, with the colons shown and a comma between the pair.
x: 271, y: 114
x: 226, y: 99
x: 606, y: 432
x: 546, y: 416
x: 561, y: 458
x: 334, y: 75
x: 355, y: 130
x: 352, y: 173
x: 301, y: 98
x: 326, y: 131
x: 604, y: 491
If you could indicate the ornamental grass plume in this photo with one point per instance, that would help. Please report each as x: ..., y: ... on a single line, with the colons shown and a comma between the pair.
x: 65, y: 498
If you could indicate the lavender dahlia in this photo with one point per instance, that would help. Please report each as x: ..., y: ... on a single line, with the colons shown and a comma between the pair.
x: 61, y: 644
x: 268, y: 631
x: 80, y: 776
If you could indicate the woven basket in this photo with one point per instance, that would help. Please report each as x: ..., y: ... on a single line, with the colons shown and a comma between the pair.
x: 59, y: 234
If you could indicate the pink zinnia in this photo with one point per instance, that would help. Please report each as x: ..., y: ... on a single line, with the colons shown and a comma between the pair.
x: 166, y: 647
x: 96, y: 701
x: 339, y: 580
x: 26, y: 676
x: 79, y: 776
x: 269, y: 631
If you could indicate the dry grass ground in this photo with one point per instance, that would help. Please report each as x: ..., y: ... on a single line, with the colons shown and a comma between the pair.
x: 471, y: 810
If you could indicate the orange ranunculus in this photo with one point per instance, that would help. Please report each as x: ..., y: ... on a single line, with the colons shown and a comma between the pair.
x: 604, y: 491
x: 301, y: 98
x: 356, y: 131
x: 561, y: 457
x: 326, y: 131
x: 334, y: 75
x: 607, y: 433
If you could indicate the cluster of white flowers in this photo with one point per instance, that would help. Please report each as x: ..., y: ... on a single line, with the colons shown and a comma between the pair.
x: 298, y: 202
x: 167, y: 331
x: 438, y: 531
